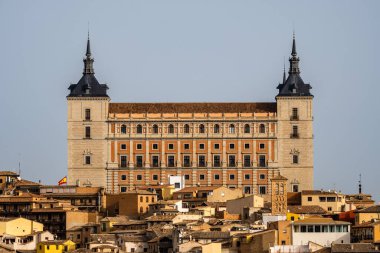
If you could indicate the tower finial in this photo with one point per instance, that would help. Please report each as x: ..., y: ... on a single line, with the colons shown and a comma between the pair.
x: 284, y: 76
x: 360, y: 183
x: 294, y: 51
x: 88, y: 60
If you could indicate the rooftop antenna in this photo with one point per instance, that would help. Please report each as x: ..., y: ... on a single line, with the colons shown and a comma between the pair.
x: 360, y: 183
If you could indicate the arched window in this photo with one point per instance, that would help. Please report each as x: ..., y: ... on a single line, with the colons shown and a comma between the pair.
x: 231, y: 129
x: 201, y: 129
x: 262, y: 129
x: 123, y: 129
x: 171, y: 129
x: 216, y: 129
x: 247, y: 129
x: 155, y: 129
x: 139, y: 129
x: 141, y: 199
x: 186, y: 129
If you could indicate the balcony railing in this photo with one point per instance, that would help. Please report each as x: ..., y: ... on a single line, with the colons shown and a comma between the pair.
x: 294, y: 136
x: 294, y: 117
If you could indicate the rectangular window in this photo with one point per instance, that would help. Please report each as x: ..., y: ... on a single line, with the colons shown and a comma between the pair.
x: 232, y: 176
x: 87, y: 132
x: 123, y: 189
x: 247, y: 189
x: 246, y: 145
x: 186, y: 161
x: 186, y: 146
x: 295, y: 159
x: 123, y: 146
x: 139, y: 161
x: 232, y: 146
x: 155, y: 161
x: 123, y: 161
x: 155, y: 146
x: 317, y: 228
x: 87, y: 114
x: 139, y: 177
x: 201, y: 177
x: 247, y: 161
x: 332, y: 228
x: 202, y: 146
x: 310, y: 229
x: 262, y: 189
x: 262, y: 146
x: 216, y: 176
x: 262, y: 176
x: 262, y: 161
x: 216, y: 146
x: 231, y: 161
x: 322, y: 199
x: 187, y: 177
x: 303, y: 229
x: 155, y: 177
x: 216, y: 160
x: 87, y: 159
x: 294, y: 114
x: 247, y: 176
x: 123, y: 177
x: 201, y: 161
x: 170, y: 160
x: 295, y: 132
x: 325, y: 229
x: 309, y: 199
x: 171, y: 146
x: 139, y: 146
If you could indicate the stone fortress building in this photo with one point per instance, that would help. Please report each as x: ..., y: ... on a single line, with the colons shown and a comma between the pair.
x: 121, y: 146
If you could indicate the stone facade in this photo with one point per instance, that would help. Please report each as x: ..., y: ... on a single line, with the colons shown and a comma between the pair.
x: 121, y: 146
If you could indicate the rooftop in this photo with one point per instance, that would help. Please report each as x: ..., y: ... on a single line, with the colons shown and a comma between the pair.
x: 371, y: 209
x: 306, y: 209
x: 319, y: 220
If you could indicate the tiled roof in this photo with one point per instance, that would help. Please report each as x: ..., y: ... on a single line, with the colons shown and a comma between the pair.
x: 191, y: 107
x: 371, y: 209
x: 306, y: 209
x: 117, y: 219
x: 24, y: 182
x: 319, y: 220
x: 143, y: 192
x: 130, y: 222
x: 209, y: 235
x: 8, y: 173
x: 353, y: 247
x: 167, y: 217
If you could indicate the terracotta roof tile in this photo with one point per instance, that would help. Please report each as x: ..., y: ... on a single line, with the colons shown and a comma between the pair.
x: 306, y: 209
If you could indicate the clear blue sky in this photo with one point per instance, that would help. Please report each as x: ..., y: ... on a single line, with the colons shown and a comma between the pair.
x: 192, y: 51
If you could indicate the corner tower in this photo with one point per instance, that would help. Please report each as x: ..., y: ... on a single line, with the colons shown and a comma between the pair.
x: 87, y: 112
x: 295, y: 128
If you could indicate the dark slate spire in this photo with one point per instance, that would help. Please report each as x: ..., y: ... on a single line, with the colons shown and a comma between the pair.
x: 294, y: 85
x: 88, y: 86
x: 284, y: 76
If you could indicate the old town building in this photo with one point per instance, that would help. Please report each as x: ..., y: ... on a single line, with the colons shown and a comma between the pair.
x: 121, y: 146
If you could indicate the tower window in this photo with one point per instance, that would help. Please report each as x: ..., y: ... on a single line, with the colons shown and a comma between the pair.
x: 88, y: 132
x: 201, y: 129
x: 155, y: 129
x: 262, y: 129
x: 231, y: 129
x: 295, y: 132
x: 247, y: 129
x: 216, y: 129
x: 87, y: 114
x: 87, y: 159
x: 186, y: 129
x: 294, y: 114
x: 123, y: 129
x: 171, y: 129
x: 139, y: 129
x: 295, y: 159
x: 295, y: 188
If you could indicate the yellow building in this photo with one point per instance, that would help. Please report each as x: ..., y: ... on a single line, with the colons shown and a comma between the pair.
x: 368, y: 214
x: 330, y: 201
x: 121, y: 146
x: 55, y: 246
x: 19, y: 226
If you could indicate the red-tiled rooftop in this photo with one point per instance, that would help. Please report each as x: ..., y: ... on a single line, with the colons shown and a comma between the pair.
x: 192, y: 107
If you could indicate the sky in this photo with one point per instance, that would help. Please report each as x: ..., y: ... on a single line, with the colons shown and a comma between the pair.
x: 192, y: 51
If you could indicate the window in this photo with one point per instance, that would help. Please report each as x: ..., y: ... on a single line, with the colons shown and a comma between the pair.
x: 123, y: 161
x: 139, y: 161
x: 247, y: 161
x: 295, y: 188
x: 202, y: 146
x: 231, y: 161
x: 247, y: 176
x: 171, y: 129
x: 247, y: 189
x: 295, y: 132
x: 123, y: 146
x: 201, y: 177
x: 262, y: 161
x: 171, y: 161
x: 295, y: 159
x: 247, y: 129
x: 147, y: 199
x: 232, y: 146
x: 139, y: 146
x: 216, y: 129
x: 155, y: 129
x: 155, y: 146
x: 317, y: 228
x: 139, y: 177
x: 170, y: 146
x: 155, y: 177
x: 309, y: 199
x: 232, y: 176
x: 262, y: 189
x: 87, y: 114
x: 329, y: 208
x: 155, y: 162
x: 246, y: 145
x: 262, y: 176
x: 231, y: 129
x: 294, y: 114
x: 141, y: 209
x: 186, y: 161
x: 201, y: 161
x: 216, y: 146
x: 177, y: 185
x: 87, y: 132
x: 187, y: 177
x: 216, y: 176
x: 186, y: 129
x: 186, y: 146
x: 123, y: 189
x: 123, y: 129
x: 262, y: 129
x: 87, y: 159
x: 303, y: 229
x: 201, y: 129
x: 310, y: 229
x: 262, y: 146
x: 216, y: 160
x: 123, y: 177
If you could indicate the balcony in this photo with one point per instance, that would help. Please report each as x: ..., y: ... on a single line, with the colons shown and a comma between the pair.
x: 294, y: 136
x: 294, y: 117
